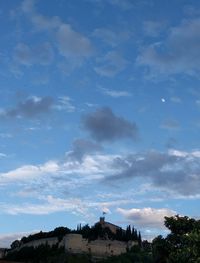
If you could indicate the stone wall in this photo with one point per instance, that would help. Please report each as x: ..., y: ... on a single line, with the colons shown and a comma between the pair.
x: 75, y: 243
x: 107, y: 247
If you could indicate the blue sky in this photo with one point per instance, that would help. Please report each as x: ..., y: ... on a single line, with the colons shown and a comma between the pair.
x: 99, y: 111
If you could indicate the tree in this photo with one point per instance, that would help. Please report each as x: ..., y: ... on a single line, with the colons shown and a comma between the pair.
x: 182, y: 245
x: 160, y: 250
x: 15, y: 244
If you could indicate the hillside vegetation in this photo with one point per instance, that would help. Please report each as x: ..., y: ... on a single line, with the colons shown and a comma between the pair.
x: 181, y: 245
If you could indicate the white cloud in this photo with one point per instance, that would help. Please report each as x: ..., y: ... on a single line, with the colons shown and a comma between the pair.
x: 175, y: 172
x: 70, y: 173
x: 193, y: 154
x: 178, y: 153
x: 28, y: 172
x: 146, y: 217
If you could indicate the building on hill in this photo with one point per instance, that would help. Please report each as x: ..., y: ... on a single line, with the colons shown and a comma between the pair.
x: 113, y: 228
x: 75, y: 243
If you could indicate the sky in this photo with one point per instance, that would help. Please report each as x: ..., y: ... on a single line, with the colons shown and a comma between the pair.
x: 99, y: 112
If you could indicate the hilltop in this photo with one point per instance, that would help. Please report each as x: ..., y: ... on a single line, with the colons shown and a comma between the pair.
x: 100, y: 241
x: 181, y: 245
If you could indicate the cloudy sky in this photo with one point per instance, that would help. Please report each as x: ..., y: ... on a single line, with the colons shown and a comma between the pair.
x: 99, y: 111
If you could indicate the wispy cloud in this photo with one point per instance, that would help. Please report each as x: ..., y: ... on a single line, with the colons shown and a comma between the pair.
x: 116, y: 93
x: 39, y: 21
x: 111, y: 64
x: 177, y: 54
x: 153, y: 28
x: 123, y: 5
x: 170, y: 124
x: 48, y: 206
x: 110, y: 37
x: 3, y: 155
x: 176, y: 99
x: 65, y: 103
x: 5, y: 135
x: 28, y: 56
x: 71, y: 44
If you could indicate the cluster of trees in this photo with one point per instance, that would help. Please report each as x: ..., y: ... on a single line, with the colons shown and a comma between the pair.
x: 43, y: 254
x: 97, y: 231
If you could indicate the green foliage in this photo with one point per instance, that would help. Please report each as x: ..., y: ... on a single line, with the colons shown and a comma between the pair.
x: 180, y: 225
x: 42, y: 253
x: 78, y: 259
x: 160, y: 249
x: 182, y: 245
x: 97, y: 231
